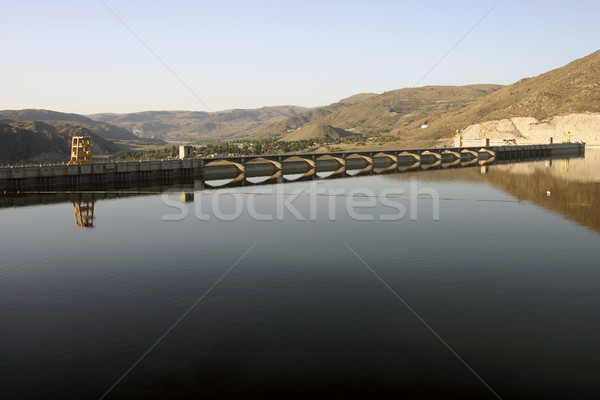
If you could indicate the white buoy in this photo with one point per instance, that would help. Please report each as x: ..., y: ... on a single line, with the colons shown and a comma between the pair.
x: 548, y: 193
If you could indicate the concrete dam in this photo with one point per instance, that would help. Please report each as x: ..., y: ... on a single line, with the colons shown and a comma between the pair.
x: 137, y: 174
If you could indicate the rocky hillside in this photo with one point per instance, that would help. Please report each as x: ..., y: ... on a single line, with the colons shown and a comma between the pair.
x: 35, y: 141
x: 99, y: 128
x: 580, y: 127
x: 198, y: 125
x: 390, y: 113
x: 532, y: 109
x: 574, y: 88
x: 435, y: 113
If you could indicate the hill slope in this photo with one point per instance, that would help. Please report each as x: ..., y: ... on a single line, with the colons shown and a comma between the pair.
x: 313, y: 131
x: 27, y: 141
x: 99, y: 128
x: 199, y: 125
x: 574, y: 88
x: 387, y: 113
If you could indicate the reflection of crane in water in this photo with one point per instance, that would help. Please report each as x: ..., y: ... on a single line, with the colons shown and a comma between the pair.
x: 84, y: 213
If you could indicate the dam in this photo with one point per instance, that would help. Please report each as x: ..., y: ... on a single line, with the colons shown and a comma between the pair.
x: 123, y: 175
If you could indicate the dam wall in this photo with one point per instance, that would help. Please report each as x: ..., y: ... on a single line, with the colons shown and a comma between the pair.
x: 121, y: 175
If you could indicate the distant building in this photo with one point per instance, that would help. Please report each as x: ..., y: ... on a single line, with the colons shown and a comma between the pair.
x: 186, y: 151
x: 424, y: 126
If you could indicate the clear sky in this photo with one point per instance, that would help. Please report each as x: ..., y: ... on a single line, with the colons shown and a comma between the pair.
x: 76, y: 56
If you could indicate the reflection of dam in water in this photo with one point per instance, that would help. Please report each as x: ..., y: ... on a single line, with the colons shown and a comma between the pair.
x: 567, y: 186
x: 263, y: 173
x: 259, y: 170
x: 296, y: 168
x: 570, y: 187
x: 504, y: 174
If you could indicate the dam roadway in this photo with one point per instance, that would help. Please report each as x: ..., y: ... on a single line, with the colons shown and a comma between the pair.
x: 122, y: 175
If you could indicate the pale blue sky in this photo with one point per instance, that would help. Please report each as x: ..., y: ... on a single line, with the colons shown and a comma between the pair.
x: 75, y: 56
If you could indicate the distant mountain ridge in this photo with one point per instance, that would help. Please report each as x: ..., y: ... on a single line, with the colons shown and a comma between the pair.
x: 431, y: 114
x: 434, y: 113
x: 387, y: 113
x: 198, y: 125
x: 99, y: 128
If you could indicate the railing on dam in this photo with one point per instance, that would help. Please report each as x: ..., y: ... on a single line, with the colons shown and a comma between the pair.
x: 121, y: 175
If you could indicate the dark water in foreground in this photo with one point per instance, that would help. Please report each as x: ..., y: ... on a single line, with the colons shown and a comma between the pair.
x: 507, y: 277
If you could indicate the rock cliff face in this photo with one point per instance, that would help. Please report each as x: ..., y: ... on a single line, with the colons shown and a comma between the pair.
x: 583, y: 127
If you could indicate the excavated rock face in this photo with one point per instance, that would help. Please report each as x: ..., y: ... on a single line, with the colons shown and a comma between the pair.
x: 583, y: 127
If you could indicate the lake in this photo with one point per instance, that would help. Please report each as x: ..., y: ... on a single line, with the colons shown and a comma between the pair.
x: 473, y: 282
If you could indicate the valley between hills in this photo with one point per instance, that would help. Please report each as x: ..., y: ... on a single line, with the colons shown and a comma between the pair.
x: 533, y: 109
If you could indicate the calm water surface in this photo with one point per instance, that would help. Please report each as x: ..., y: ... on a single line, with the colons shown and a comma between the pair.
x: 507, y: 277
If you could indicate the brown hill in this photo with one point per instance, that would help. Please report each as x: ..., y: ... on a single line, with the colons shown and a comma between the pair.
x: 313, y: 131
x: 35, y: 141
x: 569, y: 89
x: 101, y: 129
x: 387, y: 113
x: 199, y: 125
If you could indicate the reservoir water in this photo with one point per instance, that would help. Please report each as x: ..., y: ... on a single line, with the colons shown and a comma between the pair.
x: 476, y: 282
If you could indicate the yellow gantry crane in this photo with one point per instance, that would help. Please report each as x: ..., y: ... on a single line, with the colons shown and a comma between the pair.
x: 81, y: 150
